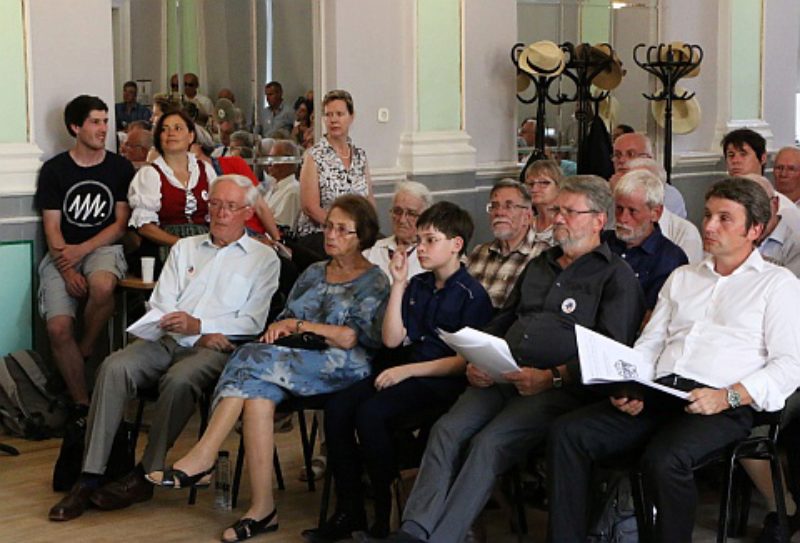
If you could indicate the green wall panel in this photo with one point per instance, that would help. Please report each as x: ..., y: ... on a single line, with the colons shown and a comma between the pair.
x: 746, y: 59
x: 14, y: 113
x: 439, y: 64
x: 16, y: 295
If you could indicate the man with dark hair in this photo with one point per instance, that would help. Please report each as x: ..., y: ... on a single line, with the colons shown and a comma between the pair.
x: 82, y: 194
x: 129, y: 109
x: 190, y: 85
x: 746, y: 153
x: 278, y: 115
x: 493, y: 425
x: 723, y: 330
x: 497, y: 263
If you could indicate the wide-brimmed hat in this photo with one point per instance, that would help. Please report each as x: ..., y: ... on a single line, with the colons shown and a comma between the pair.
x: 610, y: 77
x: 683, y: 52
x: 224, y: 110
x: 523, y: 81
x: 685, y: 113
x: 542, y: 58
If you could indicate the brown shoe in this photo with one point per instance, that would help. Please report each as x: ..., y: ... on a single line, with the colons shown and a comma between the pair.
x: 130, y: 489
x: 73, y: 504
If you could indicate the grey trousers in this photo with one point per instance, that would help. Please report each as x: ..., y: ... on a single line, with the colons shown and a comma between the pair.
x: 484, y: 434
x: 182, y: 374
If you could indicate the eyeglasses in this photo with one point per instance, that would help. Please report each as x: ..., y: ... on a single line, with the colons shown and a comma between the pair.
x: 630, y: 155
x: 398, y: 212
x: 569, y: 213
x: 337, y: 230
x: 505, y: 206
x: 787, y: 169
x: 230, y: 207
x: 544, y: 183
x: 189, y: 84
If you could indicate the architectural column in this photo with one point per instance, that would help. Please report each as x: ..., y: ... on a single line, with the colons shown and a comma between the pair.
x: 438, y: 141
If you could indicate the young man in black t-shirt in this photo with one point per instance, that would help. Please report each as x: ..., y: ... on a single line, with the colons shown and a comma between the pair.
x: 82, y: 194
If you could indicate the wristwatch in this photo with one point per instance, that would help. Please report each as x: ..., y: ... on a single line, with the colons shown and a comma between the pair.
x: 734, y: 398
x: 558, y: 382
x: 298, y: 326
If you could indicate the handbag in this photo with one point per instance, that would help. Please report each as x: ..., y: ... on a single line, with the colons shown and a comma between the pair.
x: 304, y: 340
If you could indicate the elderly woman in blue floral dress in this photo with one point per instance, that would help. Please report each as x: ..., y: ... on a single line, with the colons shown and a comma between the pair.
x: 342, y: 300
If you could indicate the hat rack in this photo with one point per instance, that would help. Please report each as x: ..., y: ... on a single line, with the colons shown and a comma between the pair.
x: 669, y: 66
x: 582, y: 67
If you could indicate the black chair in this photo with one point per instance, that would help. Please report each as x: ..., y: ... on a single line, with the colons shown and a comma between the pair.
x: 151, y: 395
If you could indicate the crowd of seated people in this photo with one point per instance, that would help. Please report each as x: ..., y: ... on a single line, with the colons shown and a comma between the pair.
x: 565, y: 250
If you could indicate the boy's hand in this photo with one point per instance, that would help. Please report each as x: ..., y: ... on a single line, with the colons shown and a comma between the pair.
x: 477, y: 377
x: 398, y: 266
x: 392, y: 376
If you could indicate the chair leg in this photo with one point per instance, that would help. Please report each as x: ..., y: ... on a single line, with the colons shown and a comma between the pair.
x: 308, y: 449
x: 644, y: 516
x: 237, y: 473
x: 326, y: 497
x: 521, y: 523
x: 276, y: 465
x: 777, y: 488
x: 725, y: 502
x: 205, y: 407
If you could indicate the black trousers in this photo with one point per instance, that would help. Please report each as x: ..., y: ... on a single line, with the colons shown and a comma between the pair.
x: 674, y: 443
x: 358, y: 426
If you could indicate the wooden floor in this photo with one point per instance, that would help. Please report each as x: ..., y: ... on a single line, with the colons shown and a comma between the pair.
x: 26, y: 497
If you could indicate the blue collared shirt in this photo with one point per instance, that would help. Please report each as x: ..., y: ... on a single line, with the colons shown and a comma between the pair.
x: 652, y: 261
x: 124, y: 117
x: 462, y: 301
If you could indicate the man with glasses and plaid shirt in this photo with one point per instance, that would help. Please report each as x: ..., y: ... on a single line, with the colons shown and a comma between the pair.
x: 498, y: 263
x: 493, y: 425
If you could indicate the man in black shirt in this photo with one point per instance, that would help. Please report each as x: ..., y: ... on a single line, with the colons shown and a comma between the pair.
x: 82, y: 194
x: 493, y: 425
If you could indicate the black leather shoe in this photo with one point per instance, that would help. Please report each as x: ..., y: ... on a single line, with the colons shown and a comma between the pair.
x: 124, y: 492
x: 73, y: 504
x: 340, y: 526
x: 771, y: 531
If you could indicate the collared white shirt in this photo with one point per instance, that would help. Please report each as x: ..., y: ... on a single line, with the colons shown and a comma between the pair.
x: 721, y: 330
x: 789, y: 211
x: 782, y: 247
x: 381, y: 253
x: 682, y: 233
x: 228, y: 288
x: 283, y: 199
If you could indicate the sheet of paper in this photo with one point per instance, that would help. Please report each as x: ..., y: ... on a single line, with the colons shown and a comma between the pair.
x: 603, y: 359
x: 489, y: 353
x: 147, y: 327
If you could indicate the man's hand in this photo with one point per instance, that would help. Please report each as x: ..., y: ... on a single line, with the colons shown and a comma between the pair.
x: 278, y: 330
x: 477, y: 377
x: 69, y: 257
x: 530, y: 381
x: 215, y: 342
x: 398, y: 266
x: 180, y: 322
x: 392, y: 376
x: 628, y: 405
x: 76, y: 284
x: 707, y: 401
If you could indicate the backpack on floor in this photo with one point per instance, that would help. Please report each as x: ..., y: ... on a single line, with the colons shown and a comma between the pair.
x: 27, y: 408
x: 613, y: 515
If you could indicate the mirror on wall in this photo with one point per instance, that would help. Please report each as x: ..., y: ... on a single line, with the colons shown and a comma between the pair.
x: 621, y: 24
x: 237, y: 44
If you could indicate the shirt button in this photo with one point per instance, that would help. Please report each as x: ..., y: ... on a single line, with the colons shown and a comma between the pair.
x: 422, y: 338
x: 525, y: 336
x: 558, y: 284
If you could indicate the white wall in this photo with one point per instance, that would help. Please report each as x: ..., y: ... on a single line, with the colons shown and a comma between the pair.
x: 781, y: 41
x: 490, y: 30
x: 146, y: 43
x: 71, y: 52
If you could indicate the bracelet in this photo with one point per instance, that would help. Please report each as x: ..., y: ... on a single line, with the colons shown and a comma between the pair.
x: 298, y: 326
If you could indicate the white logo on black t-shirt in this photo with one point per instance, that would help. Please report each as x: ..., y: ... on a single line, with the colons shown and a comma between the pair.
x: 88, y: 204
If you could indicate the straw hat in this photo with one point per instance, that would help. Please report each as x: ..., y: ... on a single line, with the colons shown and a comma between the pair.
x: 611, y: 77
x: 608, y: 111
x: 681, y: 51
x: 685, y: 113
x: 224, y: 110
x: 542, y: 58
x: 523, y: 81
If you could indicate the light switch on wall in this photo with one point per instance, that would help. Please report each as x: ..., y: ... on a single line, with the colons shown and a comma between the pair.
x: 383, y: 115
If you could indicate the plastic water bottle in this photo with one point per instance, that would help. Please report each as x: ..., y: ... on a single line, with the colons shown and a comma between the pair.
x: 222, y: 482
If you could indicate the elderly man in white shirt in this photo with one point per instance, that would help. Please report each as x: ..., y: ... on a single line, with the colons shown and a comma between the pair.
x: 409, y: 201
x: 213, y: 286
x: 724, y: 330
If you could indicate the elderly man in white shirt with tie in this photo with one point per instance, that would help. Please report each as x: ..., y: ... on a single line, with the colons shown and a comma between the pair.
x: 724, y: 330
x: 213, y: 287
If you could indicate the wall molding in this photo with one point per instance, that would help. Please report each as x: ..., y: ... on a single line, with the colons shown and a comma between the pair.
x: 19, y: 166
x: 422, y: 153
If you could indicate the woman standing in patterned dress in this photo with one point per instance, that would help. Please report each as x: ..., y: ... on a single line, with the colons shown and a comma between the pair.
x: 343, y: 300
x: 331, y: 168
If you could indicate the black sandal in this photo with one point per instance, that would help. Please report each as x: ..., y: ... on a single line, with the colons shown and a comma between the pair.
x: 245, y: 528
x: 168, y: 480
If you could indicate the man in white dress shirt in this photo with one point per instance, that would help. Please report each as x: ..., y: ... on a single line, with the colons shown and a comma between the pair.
x: 723, y: 330
x: 786, y: 172
x: 283, y: 196
x: 213, y: 287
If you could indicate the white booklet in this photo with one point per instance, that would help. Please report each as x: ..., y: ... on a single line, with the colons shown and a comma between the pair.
x: 147, y: 327
x: 604, y: 360
x: 489, y: 353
